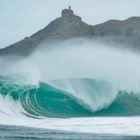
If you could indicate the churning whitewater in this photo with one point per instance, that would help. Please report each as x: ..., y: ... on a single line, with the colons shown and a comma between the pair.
x: 67, y: 98
x: 79, y: 78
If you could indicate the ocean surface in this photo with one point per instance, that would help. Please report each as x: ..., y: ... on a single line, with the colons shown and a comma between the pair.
x: 74, y: 90
x: 28, y: 133
x: 46, y: 111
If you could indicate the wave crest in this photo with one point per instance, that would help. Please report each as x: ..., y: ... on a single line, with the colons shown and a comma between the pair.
x: 68, y: 98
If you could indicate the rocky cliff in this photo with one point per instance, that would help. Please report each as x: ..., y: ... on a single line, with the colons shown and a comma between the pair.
x: 127, y: 31
x: 70, y: 25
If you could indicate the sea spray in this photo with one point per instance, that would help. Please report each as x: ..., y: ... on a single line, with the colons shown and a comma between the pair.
x: 76, y: 74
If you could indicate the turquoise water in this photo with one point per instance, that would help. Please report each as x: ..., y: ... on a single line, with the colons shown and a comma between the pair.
x: 47, y: 100
x: 66, y: 108
x: 63, y: 93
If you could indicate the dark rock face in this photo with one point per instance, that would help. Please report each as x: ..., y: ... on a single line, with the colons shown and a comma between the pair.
x: 67, y: 12
x: 70, y: 25
x: 67, y: 26
x: 127, y: 31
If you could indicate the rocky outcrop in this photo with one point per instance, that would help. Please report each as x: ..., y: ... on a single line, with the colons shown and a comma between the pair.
x: 70, y: 25
x: 127, y: 31
x: 67, y: 26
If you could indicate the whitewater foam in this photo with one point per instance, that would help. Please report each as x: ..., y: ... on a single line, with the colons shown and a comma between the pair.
x: 11, y: 113
x: 73, y: 79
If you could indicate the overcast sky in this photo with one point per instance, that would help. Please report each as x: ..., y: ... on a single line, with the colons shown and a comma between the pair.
x: 21, y: 18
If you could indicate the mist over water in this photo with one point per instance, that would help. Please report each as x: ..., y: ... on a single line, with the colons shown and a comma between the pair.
x: 80, y: 58
x: 73, y: 78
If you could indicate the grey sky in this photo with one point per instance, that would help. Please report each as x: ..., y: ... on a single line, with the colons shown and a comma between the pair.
x: 20, y: 18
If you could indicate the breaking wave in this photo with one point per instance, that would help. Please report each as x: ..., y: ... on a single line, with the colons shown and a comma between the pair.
x: 65, y: 98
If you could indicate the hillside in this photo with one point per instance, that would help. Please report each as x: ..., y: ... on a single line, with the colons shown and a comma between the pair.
x: 70, y: 25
